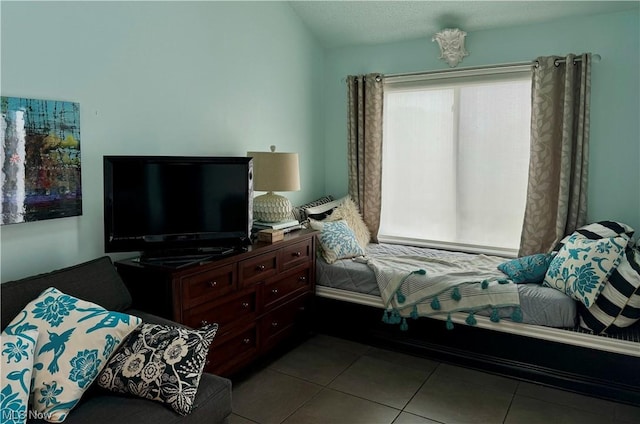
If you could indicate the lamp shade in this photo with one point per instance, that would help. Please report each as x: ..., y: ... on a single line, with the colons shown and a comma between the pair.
x: 275, y: 171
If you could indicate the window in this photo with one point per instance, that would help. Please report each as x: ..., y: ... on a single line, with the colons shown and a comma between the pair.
x: 455, y: 159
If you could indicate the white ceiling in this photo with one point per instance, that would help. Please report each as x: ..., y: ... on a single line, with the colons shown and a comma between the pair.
x: 342, y: 23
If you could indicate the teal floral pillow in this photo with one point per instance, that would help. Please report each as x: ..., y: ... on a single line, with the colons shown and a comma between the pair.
x: 75, y: 339
x: 337, y: 240
x: 528, y: 269
x: 15, y: 369
x: 582, y: 266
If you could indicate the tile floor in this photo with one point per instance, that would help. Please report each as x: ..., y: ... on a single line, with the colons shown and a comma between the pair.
x: 330, y: 380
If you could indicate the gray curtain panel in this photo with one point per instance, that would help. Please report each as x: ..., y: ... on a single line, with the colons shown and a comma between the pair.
x: 365, y: 96
x: 557, y: 188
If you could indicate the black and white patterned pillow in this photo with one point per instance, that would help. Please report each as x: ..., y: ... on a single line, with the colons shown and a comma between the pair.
x: 598, y: 230
x: 323, y: 211
x: 162, y: 363
x: 618, y: 306
x: 299, y: 212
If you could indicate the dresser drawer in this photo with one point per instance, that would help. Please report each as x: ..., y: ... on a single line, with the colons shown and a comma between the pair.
x: 296, y: 254
x: 228, y: 353
x: 278, y: 291
x: 209, y: 285
x: 284, y: 321
x: 258, y: 268
x: 238, y: 308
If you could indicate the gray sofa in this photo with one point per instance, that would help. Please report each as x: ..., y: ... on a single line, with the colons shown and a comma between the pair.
x: 97, y: 281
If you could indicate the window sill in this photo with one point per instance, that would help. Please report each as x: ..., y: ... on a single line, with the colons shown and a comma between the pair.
x: 457, y: 247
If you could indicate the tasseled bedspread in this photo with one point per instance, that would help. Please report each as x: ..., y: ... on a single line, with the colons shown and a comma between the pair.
x: 413, y: 286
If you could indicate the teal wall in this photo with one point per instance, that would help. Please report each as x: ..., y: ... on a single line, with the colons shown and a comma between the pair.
x: 614, y: 171
x: 164, y: 78
x: 222, y: 78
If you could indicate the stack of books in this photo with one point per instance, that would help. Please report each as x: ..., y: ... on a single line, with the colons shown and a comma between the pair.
x: 286, y: 225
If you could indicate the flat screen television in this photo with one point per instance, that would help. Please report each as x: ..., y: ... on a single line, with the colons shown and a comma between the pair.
x: 177, y: 206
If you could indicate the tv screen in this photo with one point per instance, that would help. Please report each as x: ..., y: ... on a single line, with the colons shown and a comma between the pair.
x: 172, y: 205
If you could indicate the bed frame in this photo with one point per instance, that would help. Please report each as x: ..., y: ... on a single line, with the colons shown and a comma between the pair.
x: 584, y: 363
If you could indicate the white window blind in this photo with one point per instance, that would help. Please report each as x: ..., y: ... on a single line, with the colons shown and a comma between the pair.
x: 455, y: 159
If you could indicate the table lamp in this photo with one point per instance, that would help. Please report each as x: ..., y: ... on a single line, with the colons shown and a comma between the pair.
x: 274, y: 171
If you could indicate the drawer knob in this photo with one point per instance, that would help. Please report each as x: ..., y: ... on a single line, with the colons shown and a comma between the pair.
x: 260, y: 268
x: 274, y: 291
x: 213, y: 284
x: 296, y: 254
x: 274, y: 324
x: 302, y: 279
x: 244, y: 305
x: 246, y: 341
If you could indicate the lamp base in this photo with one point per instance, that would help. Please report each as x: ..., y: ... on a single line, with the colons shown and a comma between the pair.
x: 271, y: 207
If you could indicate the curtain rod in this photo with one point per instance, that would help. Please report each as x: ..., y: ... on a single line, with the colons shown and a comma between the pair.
x: 595, y: 58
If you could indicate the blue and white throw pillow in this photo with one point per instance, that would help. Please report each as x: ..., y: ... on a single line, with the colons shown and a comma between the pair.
x: 337, y: 240
x: 527, y: 269
x: 15, y: 369
x: 75, y: 340
x: 582, y: 266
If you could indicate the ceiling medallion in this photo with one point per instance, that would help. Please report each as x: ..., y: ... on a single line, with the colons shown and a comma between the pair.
x: 451, y: 42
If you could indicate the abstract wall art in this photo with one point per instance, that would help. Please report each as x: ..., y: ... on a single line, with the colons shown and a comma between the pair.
x: 40, y: 159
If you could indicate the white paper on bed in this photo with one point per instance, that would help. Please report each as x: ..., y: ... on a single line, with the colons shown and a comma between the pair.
x: 419, y: 286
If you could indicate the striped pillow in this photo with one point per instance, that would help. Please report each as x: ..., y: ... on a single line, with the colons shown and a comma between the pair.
x: 598, y: 230
x: 618, y: 306
x: 299, y: 212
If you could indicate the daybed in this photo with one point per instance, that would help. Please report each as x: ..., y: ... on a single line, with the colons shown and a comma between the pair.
x: 97, y: 281
x: 547, y: 347
x: 544, y: 343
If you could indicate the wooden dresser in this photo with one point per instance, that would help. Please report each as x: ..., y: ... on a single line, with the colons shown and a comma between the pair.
x: 259, y: 298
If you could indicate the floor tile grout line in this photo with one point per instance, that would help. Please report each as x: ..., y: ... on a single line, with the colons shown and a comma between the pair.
x: 326, y: 386
x: 363, y: 398
x: 563, y: 404
x: 315, y: 382
x: 513, y: 397
x: 414, y: 395
x: 359, y: 355
x: 377, y: 402
x: 245, y: 418
x: 303, y: 404
x: 418, y: 390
